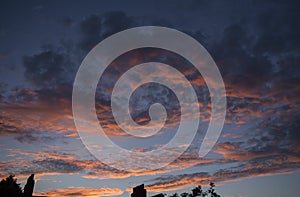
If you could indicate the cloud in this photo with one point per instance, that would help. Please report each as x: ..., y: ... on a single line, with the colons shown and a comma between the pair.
x: 251, y: 52
x: 258, y: 60
x: 41, y: 163
x: 259, y: 167
x: 79, y: 191
x: 283, y: 39
x: 253, y: 168
x: 95, y: 28
x: 238, y: 41
x: 47, y: 68
x: 40, y: 167
x: 171, y: 183
x: 28, y: 121
x: 273, y: 135
x: 283, y: 129
x: 191, y: 158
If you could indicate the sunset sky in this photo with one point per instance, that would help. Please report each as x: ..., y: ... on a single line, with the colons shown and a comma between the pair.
x: 255, y: 45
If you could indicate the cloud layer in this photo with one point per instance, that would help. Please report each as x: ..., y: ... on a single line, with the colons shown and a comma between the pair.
x: 254, y: 46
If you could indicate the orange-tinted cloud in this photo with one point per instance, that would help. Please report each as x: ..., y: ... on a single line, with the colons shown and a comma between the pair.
x: 171, y: 183
x: 90, y: 192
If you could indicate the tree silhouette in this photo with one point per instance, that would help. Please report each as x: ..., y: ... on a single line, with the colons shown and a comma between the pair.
x: 197, y: 191
x: 10, y: 188
x: 184, y: 194
x: 28, y: 189
x: 211, y: 190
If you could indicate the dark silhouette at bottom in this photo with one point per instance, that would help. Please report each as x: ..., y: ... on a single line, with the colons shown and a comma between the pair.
x: 10, y: 188
x: 140, y: 191
x: 159, y: 195
x: 28, y: 189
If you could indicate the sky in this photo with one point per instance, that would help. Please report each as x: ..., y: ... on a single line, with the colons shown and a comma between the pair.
x: 255, y: 45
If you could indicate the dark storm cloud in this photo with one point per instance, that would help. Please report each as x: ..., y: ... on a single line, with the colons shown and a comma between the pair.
x: 46, y: 69
x: 243, y: 53
x: 50, y: 73
x: 97, y: 27
x: 91, y: 32
x: 251, y: 53
x: 68, y: 21
x: 278, y: 28
x: 53, y: 69
x: 114, y: 22
x: 242, y: 69
x: 283, y: 131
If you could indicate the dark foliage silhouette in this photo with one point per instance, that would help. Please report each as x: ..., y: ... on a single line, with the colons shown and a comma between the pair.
x: 211, y: 190
x: 10, y: 188
x: 28, y: 189
x: 197, y: 191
